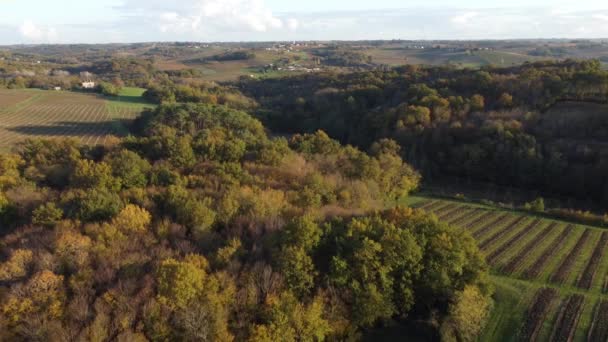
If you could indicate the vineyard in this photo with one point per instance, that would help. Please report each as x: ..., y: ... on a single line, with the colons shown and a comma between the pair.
x: 551, y: 277
x: 48, y: 114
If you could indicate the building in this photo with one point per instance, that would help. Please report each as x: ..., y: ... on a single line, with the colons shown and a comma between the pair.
x: 57, y: 88
x: 88, y: 85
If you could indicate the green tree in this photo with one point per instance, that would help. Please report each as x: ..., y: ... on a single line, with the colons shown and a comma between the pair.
x: 47, y: 215
x: 181, y: 153
x: 538, y: 205
x: 92, y: 205
x: 130, y: 168
x: 297, y: 268
x: 109, y: 89
x: 302, y: 232
x: 194, y: 213
x: 88, y: 174
x: 377, y: 264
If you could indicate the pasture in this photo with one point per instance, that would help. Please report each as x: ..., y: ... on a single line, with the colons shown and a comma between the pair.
x: 472, y: 59
x: 551, y: 277
x: 89, y: 118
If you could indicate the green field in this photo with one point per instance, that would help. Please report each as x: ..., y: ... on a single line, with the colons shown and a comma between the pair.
x: 90, y: 118
x: 527, y: 253
x: 472, y: 59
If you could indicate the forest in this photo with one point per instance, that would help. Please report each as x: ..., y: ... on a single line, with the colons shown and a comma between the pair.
x: 202, y: 227
x: 278, y: 208
x: 493, y: 125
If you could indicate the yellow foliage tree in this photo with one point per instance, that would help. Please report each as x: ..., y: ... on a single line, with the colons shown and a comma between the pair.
x: 42, y: 294
x: 179, y: 282
x: 9, y: 170
x: 71, y: 247
x: 467, y: 315
x: 132, y: 219
x: 16, y: 266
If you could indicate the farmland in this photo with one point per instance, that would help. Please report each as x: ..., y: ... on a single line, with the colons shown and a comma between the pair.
x: 550, y: 276
x: 49, y: 114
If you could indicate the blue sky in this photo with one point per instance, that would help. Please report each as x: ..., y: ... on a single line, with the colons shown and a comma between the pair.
x: 102, y: 21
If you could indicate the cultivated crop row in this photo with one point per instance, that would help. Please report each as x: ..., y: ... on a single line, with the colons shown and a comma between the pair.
x: 467, y: 217
x: 492, y: 257
x: 502, y: 232
x: 88, y: 121
x: 567, y: 319
x: 426, y: 204
x: 445, y: 209
x: 433, y: 206
x: 60, y: 115
x: 489, y: 226
x: 481, y: 219
x: 564, y: 269
x: 594, y: 262
x: 456, y: 211
x: 556, y: 245
x: 510, y: 267
x: 536, y: 314
x: 599, y: 327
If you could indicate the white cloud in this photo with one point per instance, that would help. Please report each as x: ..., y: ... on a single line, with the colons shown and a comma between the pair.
x: 292, y: 24
x: 37, y: 34
x: 464, y: 18
x: 603, y: 17
x: 208, y: 16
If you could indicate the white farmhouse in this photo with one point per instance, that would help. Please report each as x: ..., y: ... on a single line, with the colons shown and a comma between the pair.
x: 88, y: 85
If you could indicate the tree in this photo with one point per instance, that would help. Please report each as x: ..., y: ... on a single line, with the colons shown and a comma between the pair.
x: 88, y: 174
x: 206, y: 318
x: 42, y: 295
x: 302, y: 232
x: 538, y: 205
x: 477, y: 103
x: 130, y: 168
x: 190, y: 211
x: 109, y: 89
x: 467, y: 315
x: 287, y: 319
x: 181, y: 153
x: 9, y: 170
x: 180, y: 282
x: 297, y: 268
x: 132, y: 219
x: 416, y: 115
x: 17, y: 266
x: 71, y: 247
x: 451, y: 260
x: 5, y: 208
x: 92, y: 205
x: 376, y: 264
x: 47, y: 215
x: 505, y: 100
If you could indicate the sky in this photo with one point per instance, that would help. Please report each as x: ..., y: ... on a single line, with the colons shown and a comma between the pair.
x: 123, y: 21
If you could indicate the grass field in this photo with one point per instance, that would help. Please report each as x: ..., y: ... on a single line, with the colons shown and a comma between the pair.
x: 550, y: 276
x: 394, y: 55
x: 472, y: 59
x: 51, y: 114
x: 230, y: 70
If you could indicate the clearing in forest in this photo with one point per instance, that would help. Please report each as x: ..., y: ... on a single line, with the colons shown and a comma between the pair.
x: 88, y: 117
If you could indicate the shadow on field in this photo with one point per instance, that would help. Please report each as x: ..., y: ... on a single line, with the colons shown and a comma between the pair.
x: 69, y: 128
